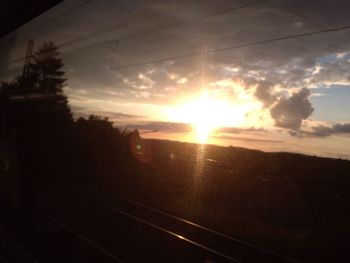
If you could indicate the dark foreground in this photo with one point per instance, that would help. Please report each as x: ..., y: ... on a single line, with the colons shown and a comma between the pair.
x: 250, y: 206
x: 118, y: 230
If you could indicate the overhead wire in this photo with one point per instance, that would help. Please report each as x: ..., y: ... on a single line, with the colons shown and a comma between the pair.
x: 134, y: 35
x: 213, y: 51
x: 186, y: 21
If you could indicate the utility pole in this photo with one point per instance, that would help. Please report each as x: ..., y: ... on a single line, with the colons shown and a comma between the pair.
x: 28, y: 57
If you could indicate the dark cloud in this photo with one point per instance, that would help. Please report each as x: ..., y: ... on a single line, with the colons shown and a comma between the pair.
x: 77, y: 108
x: 117, y: 117
x: 320, y: 131
x: 175, y: 127
x: 238, y: 130
x: 246, y: 139
x: 342, y: 128
x: 290, y: 112
x: 162, y: 127
x: 323, y: 131
x: 263, y: 93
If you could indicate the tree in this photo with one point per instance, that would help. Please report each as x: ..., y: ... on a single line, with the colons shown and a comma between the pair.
x: 39, y: 120
x: 37, y: 97
x: 47, y: 69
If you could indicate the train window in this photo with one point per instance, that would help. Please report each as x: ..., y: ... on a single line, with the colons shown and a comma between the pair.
x: 176, y: 131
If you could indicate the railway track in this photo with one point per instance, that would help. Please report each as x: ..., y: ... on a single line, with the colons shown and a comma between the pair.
x: 115, y: 229
x: 131, y: 238
x: 225, y: 245
x: 48, y: 241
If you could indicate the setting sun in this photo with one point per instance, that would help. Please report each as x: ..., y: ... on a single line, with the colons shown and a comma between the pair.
x: 205, y: 114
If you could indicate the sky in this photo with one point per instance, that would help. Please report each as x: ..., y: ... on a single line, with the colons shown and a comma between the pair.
x: 205, y: 71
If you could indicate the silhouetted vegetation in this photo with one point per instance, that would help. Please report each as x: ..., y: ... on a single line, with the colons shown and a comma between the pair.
x: 288, y: 202
x: 49, y: 146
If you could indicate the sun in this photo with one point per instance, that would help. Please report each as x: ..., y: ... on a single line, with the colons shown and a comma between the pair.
x: 206, y: 113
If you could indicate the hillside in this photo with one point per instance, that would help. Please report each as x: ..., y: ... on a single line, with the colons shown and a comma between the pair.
x: 292, y: 203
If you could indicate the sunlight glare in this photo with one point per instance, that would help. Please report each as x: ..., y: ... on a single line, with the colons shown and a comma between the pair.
x: 206, y: 114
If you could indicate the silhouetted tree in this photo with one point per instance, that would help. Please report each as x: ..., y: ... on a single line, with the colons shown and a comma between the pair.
x: 40, y: 92
x: 100, y: 148
x: 38, y: 115
x: 53, y: 149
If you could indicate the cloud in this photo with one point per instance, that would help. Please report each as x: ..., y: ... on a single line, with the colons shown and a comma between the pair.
x: 323, y: 131
x: 331, y: 69
x: 238, y: 130
x: 177, y: 127
x: 290, y: 112
x: 263, y: 93
x: 246, y: 139
x: 182, y: 81
x: 342, y: 128
x: 117, y: 117
x: 162, y: 127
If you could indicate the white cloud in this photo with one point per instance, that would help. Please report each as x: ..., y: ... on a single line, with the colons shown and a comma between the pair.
x: 182, y: 80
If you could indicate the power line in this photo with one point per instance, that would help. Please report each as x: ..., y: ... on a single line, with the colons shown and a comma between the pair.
x: 51, y: 20
x: 158, y: 29
x: 190, y: 20
x: 186, y: 21
x: 213, y: 51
